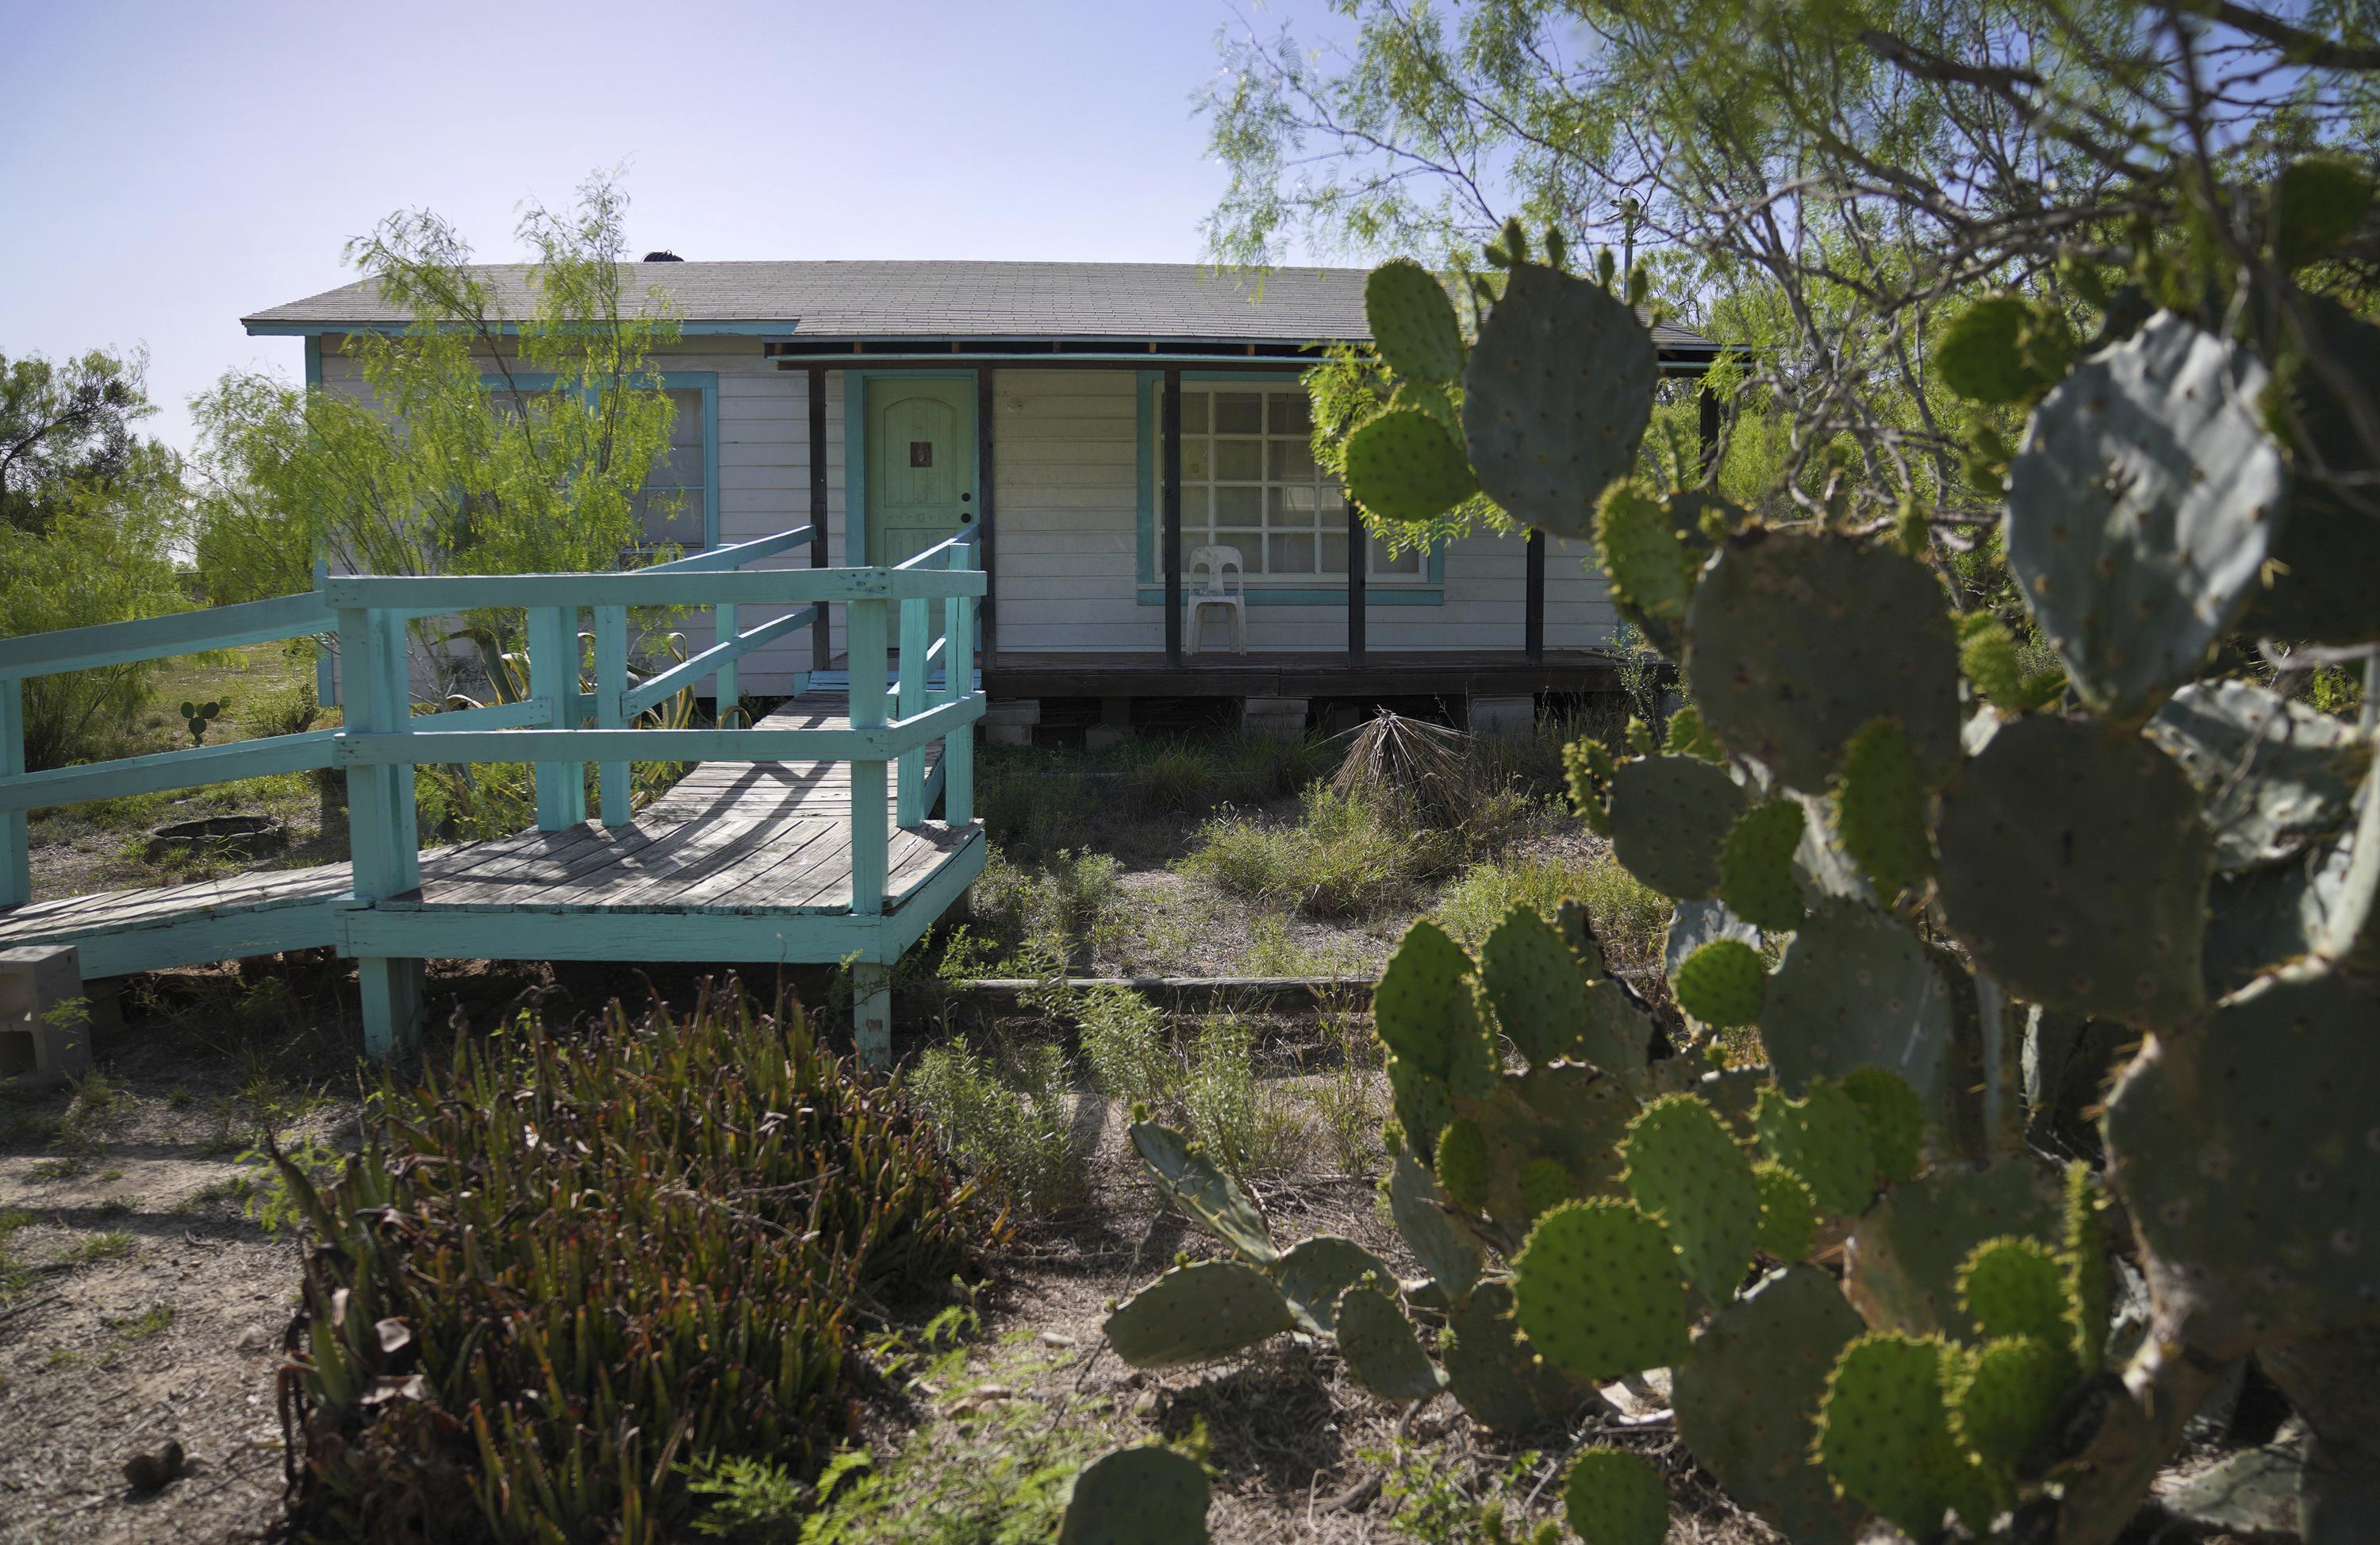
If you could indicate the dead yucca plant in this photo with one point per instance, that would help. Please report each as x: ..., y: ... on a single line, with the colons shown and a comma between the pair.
x: 1426, y: 768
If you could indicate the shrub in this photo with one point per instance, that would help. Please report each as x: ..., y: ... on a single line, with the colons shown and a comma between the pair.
x: 1124, y: 1038
x: 1344, y: 855
x: 1030, y: 805
x: 1245, y: 1124
x: 91, y: 565
x: 566, y: 1264
x: 1631, y: 919
x: 1006, y: 1120
x: 1061, y: 910
x: 1173, y: 776
x: 289, y: 710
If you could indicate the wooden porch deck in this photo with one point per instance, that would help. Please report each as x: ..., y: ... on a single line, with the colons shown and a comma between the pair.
x: 758, y: 854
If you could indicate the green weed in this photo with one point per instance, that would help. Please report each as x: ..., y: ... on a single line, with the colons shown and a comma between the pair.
x: 1007, y: 1118
x: 114, y: 1245
x: 149, y: 1322
x: 1630, y: 920
x: 1345, y: 855
x: 1247, y: 1123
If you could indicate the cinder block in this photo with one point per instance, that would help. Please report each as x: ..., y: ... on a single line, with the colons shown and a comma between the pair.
x: 1007, y: 734
x: 1504, y: 715
x: 1011, y: 711
x: 44, y: 1019
x: 1281, y: 717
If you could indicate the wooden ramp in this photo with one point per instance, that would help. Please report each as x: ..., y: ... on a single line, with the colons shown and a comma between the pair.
x: 739, y: 861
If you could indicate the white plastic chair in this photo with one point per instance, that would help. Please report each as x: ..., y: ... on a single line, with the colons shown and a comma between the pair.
x: 1225, y: 590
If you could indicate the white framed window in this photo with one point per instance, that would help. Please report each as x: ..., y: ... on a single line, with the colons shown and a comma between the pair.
x: 1250, y: 482
x: 672, y: 509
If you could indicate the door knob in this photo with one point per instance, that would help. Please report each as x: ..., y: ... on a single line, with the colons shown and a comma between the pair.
x: 965, y: 497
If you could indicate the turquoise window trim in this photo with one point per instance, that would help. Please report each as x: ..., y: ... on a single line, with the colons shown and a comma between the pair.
x: 1147, y: 386
x: 314, y: 361
x: 855, y: 452
x: 704, y: 381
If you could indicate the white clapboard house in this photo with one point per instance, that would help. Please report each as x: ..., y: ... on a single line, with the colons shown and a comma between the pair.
x: 891, y: 404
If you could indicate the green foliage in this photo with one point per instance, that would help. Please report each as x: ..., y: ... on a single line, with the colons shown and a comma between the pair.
x: 2005, y: 349
x: 437, y: 470
x: 1885, y: 1439
x: 1008, y: 1119
x: 1685, y: 1170
x: 646, y: 1166
x: 1629, y: 918
x: 2011, y: 1286
x: 1345, y: 855
x: 1881, y: 810
x: 1136, y: 1495
x: 1405, y: 465
x: 1788, y: 1219
x: 1596, y: 1290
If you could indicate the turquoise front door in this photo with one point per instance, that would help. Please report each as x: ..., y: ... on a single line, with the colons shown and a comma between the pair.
x: 920, y: 465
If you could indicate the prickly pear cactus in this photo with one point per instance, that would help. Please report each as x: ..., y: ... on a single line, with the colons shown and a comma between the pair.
x: 1613, y: 1498
x: 1650, y: 567
x: 1756, y: 878
x: 1313, y: 1273
x: 1747, y: 1400
x: 2075, y: 864
x: 1895, y: 1118
x: 1598, y: 1292
x: 1670, y: 819
x: 1138, y: 1496
x: 2003, y: 1398
x: 2012, y: 1287
x: 2275, y: 776
x: 1822, y: 1138
x: 1536, y: 983
x: 1498, y: 1376
x: 1857, y: 989
x: 1880, y: 809
x: 1884, y: 1437
x: 1406, y: 465
x: 1557, y: 396
x: 1796, y: 641
x: 1723, y: 983
x: 1382, y: 1349
x: 1197, y: 1313
x: 1788, y: 1219
x: 2141, y: 511
x: 1413, y: 323
x: 1685, y: 1171
x: 1191, y: 1182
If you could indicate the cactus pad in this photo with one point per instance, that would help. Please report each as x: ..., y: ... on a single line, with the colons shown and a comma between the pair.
x: 1989, y: 657
x: 1577, y: 930
x: 1556, y: 397
x: 1880, y: 809
x: 1197, y: 1313
x: 2249, y: 1156
x: 1192, y: 1183
x: 1788, y: 1219
x: 2085, y: 1276
x: 1544, y: 1185
x: 1857, y: 989
x: 1796, y: 641
x: 1685, y: 1171
x: 1424, y: 1012
x: 2004, y: 1398
x: 1904, y: 1256
x: 1619, y: 1035
x: 1380, y: 1349
x: 1494, y: 1373
x: 1746, y: 1399
x: 1615, y: 1498
x: 1406, y: 466
x: 1755, y: 865
x: 1462, y: 1165
x: 1650, y: 570
x: 1138, y: 1496
x: 1598, y: 1292
x: 1821, y: 1138
x: 1419, y: 1212
x: 2003, y: 348
x: 1313, y: 1273
x: 2074, y: 865
x: 1895, y: 1118
x: 2011, y: 1286
x: 1883, y: 1435
x: 1536, y: 983
x: 2141, y: 509
x: 1669, y: 817
x: 1723, y: 983
x: 1413, y: 321
x: 2276, y: 774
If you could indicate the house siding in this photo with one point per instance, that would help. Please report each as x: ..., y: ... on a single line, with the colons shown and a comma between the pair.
x: 1067, y: 519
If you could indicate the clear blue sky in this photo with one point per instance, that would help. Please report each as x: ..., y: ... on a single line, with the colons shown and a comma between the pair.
x: 170, y: 167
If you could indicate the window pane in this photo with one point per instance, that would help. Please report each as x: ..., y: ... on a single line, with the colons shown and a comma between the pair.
x: 1290, y: 554
x: 1193, y: 410
x: 1406, y: 562
x: 1334, y: 552
x: 1196, y: 459
x: 672, y: 519
x: 1291, y: 413
x: 1239, y: 506
x: 1292, y: 460
x: 1239, y: 413
x: 1292, y: 505
x: 1241, y: 460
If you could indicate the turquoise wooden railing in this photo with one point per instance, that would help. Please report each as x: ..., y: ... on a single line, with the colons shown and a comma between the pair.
x: 561, y: 726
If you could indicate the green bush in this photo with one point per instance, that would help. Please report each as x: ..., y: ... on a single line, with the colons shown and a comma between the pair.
x: 1006, y: 1120
x: 1631, y: 919
x: 566, y: 1264
x: 1343, y: 855
x: 91, y: 565
x: 1124, y: 1040
x: 1060, y: 911
x: 1248, y: 1125
x: 1031, y: 803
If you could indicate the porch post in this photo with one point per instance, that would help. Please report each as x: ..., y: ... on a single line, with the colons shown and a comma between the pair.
x: 1359, y: 548
x: 1170, y: 428
x: 819, y: 643
x: 983, y: 394
x: 1706, y: 427
x: 1533, y: 618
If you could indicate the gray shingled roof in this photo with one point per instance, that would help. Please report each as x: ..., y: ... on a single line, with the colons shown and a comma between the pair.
x: 947, y: 300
